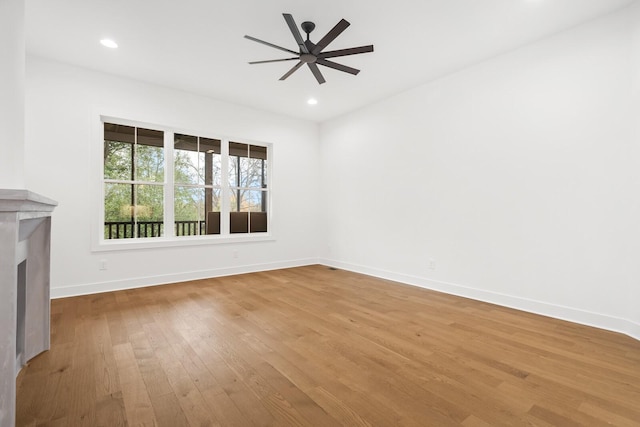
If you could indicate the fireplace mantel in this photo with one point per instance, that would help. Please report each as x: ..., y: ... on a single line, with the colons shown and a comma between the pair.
x: 25, y: 236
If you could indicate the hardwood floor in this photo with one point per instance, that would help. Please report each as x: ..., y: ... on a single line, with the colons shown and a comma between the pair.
x: 315, y: 346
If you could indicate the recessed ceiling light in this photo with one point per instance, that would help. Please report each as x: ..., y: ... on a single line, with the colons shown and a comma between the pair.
x: 109, y: 43
x: 312, y: 101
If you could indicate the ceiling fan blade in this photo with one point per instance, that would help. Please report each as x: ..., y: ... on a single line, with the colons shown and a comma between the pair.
x: 331, y: 35
x: 337, y: 66
x: 271, y: 44
x: 296, y: 33
x: 273, y: 60
x: 345, y: 52
x: 292, y: 70
x: 316, y: 72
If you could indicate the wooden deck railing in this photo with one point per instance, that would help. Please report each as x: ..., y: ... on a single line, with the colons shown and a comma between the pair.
x: 124, y: 230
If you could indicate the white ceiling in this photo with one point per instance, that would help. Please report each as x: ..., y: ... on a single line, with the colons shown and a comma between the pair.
x: 198, y: 45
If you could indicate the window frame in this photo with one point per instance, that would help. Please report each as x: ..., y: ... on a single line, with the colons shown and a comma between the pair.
x: 99, y: 243
x: 213, y: 186
x: 134, y: 181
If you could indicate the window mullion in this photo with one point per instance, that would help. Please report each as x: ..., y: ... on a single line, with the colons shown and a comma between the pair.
x: 134, y: 201
x: 226, y: 203
x: 169, y: 186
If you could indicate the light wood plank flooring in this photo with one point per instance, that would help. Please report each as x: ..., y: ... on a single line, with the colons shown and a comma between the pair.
x: 313, y: 346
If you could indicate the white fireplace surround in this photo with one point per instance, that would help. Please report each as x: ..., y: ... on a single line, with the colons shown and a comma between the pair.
x: 25, y: 236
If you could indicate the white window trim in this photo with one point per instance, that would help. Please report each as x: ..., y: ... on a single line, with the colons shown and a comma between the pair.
x: 99, y: 244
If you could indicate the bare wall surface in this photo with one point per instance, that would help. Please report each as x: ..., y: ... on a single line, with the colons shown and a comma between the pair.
x: 12, y: 86
x: 62, y: 103
x: 634, y: 291
x: 515, y: 181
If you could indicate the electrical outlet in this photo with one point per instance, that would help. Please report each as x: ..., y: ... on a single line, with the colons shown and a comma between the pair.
x: 103, y: 264
x: 235, y: 253
x: 431, y: 264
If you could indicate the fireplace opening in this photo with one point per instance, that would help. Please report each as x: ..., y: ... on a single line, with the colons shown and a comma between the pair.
x: 21, y: 313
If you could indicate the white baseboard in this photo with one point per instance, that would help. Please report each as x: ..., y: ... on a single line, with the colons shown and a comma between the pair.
x: 597, y: 320
x: 570, y: 314
x: 140, y: 282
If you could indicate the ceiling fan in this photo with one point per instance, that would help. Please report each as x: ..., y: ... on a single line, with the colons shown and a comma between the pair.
x: 312, y: 54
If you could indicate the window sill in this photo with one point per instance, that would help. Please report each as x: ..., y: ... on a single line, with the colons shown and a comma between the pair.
x: 164, y: 242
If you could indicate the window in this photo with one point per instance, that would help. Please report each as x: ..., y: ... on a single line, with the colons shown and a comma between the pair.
x: 133, y: 182
x: 197, y: 165
x: 248, y: 183
x: 161, y: 184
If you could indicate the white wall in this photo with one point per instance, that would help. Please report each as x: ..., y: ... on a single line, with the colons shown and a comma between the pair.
x: 61, y: 103
x: 12, y: 60
x: 519, y: 177
x: 634, y: 291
